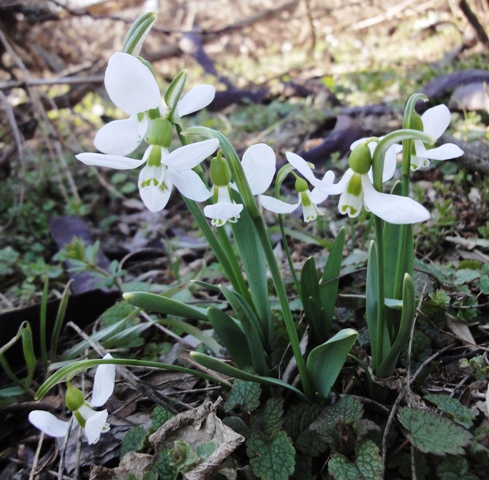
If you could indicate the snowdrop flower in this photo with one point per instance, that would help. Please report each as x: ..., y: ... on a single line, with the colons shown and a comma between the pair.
x: 434, y: 122
x: 357, y: 190
x: 308, y: 199
x: 258, y: 164
x: 133, y: 88
x: 163, y: 169
x: 91, y: 421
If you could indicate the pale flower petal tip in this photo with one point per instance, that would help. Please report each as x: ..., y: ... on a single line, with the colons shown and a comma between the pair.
x: 95, y: 425
x: 48, y: 423
x: 103, y: 385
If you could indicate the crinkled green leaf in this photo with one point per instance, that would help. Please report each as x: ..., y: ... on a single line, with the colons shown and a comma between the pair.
x: 297, y: 421
x: 244, y: 394
x: 272, y: 458
x: 117, y: 312
x: 160, y: 416
x: 454, y: 468
x: 238, y: 425
x: 164, y: 466
x: 133, y: 441
x: 367, y: 466
x: 269, y: 417
x: 453, y: 408
x: 206, y: 449
x: 465, y: 275
x: 432, y: 433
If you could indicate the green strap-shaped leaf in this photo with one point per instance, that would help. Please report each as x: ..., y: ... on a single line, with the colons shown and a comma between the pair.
x: 226, y: 369
x: 330, y: 279
x: 371, y: 306
x: 325, y: 362
x: 311, y: 299
x: 252, y: 328
x: 408, y: 311
x: 60, y: 317
x: 168, y: 306
x: 231, y: 335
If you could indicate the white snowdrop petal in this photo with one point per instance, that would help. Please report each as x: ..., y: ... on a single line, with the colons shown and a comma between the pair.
x: 278, y: 206
x: 95, y: 425
x: 48, y: 423
x: 436, y: 120
x: 120, y: 137
x: 190, y: 185
x: 189, y: 156
x: 130, y: 84
x: 196, y: 99
x: 259, y: 166
x: 223, y: 211
x: 302, y: 167
x: 109, y: 161
x: 103, y: 385
x: 443, y: 152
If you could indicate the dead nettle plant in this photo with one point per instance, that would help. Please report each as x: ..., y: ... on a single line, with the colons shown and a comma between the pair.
x: 232, y: 192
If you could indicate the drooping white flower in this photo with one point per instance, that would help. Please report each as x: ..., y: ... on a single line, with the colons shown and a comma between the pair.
x: 356, y: 190
x: 307, y: 198
x: 163, y: 168
x: 93, y: 422
x: 258, y: 164
x: 133, y: 88
x: 434, y: 122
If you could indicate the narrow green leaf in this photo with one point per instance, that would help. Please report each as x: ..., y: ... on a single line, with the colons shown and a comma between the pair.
x: 226, y: 369
x: 325, y: 362
x: 232, y: 336
x: 43, y: 324
x: 165, y: 305
x: 138, y: 32
x: 29, y: 354
x: 60, y: 317
x: 311, y: 299
x: 408, y: 311
x: 251, y: 325
x: 371, y: 305
x: 67, y: 372
x: 175, y: 89
x: 331, y: 277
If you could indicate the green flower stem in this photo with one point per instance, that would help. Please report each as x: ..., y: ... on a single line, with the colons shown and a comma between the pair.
x: 67, y: 372
x: 254, y: 212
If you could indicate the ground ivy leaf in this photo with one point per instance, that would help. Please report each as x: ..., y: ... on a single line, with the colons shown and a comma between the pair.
x: 133, y: 441
x: 269, y: 417
x: 454, y: 468
x: 297, y: 422
x: 432, y: 433
x: 465, y: 275
x: 453, y: 408
x: 367, y: 465
x: 244, y: 394
x: 272, y: 457
x: 159, y: 416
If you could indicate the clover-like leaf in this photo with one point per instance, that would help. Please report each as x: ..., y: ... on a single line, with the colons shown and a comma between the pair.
x: 367, y: 465
x: 245, y: 394
x: 432, y: 433
x: 453, y: 408
x: 272, y: 457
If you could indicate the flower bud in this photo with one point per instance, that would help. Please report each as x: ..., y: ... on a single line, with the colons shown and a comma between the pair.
x: 74, y: 398
x: 360, y: 159
x: 160, y: 133
x: 220, y: 172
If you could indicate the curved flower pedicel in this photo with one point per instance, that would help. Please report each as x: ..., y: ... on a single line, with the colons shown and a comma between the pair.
x: 93, y: 422
x: 163, y: 169
x: 133, y: 88
x: 258, y: 164
x: 434, y: 123
x: 308, y: 199
x: 357, y: 190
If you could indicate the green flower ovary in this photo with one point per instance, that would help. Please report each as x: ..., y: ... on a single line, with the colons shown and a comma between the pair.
x: 220, y: 172
x: 301, y: 185
x: 74, y: 398
x: 160, y: 133
x: 360, y: 159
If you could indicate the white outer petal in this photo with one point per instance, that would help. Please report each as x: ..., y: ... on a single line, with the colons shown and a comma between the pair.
x: 340, y: 187
x: 390, y: 162
x: 303, y: 168
x: 189, y: 156
x: 103, y: 385
x: 190, y: 185
x: 392, y: 208
x: 196, y: 99
x: 109, y: 161
x: 120, y: 137
x: 95, y: 425
x: 278, y: 206
x: 436, y: 120
x: 130, y: 84
x: 48, y: 423
x: 259, y: 166
x: 443, y: 152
